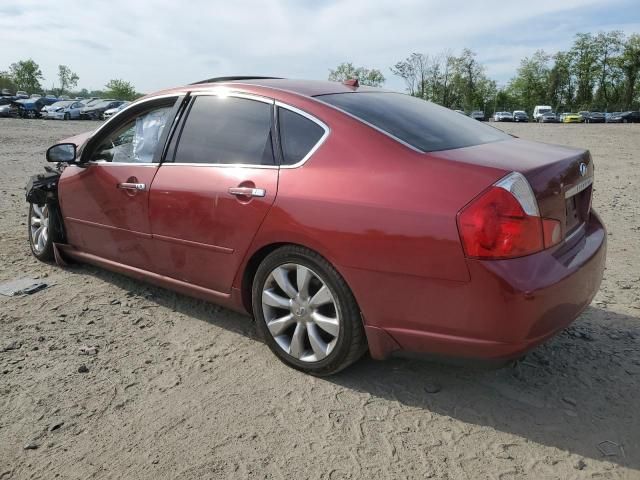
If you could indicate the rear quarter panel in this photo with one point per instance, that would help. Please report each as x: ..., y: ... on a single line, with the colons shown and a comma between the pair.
x: 368, y: 203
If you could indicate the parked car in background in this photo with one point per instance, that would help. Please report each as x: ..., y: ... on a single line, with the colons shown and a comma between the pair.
x: 502, y: 117
x: 476, y: 249
x: 22, y: 94
x: 548, y: 117
x: 609, y: 115
x: 520, y: 116
x: 32, y: 107
x: 65, y: 110
x: 95, y: 111
x: 6, y: 93
x: 460, y: 112
x: 478, y: 115
x: 8, y: 109
x: 571, y: 118
x: 594, y: 117
x: 625, y: 117
x: 112, y: 111
x: 540, y: 110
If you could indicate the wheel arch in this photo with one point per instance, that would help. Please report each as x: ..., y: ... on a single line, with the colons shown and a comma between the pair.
x: 254, y: 260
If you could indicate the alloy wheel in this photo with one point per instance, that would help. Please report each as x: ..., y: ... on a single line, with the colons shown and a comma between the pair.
x: 300, y: 312
x: 39, y: 224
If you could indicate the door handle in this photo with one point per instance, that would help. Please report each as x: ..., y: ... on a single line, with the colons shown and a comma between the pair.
x: 132, y: 186
x: 247, y: 192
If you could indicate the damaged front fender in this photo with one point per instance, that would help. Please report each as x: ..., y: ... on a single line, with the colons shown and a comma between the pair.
x: 42, y: 189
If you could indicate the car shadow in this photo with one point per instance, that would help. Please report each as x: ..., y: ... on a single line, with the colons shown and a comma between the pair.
x: 579, y: 392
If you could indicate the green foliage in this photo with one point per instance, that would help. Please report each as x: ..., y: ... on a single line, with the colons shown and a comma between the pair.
x: 629, y: 64
x: 530, y: 85
x: 7, y: 82
x: 68, y: 79
x: 121, y: 90
x: 598, y: 72
x: 560, y: 82
x: 452, y: 81
x: 26, y: 75
x: 365, y: 76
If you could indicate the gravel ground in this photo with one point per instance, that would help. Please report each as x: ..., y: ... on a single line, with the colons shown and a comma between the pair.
x: 179, y: 388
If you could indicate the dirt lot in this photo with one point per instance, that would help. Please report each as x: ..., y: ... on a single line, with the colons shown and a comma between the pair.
x: 183, y: 389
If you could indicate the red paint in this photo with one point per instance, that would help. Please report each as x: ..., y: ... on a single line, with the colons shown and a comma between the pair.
x: 193, y: 204
x: 382, y: 214
x: 104, y: 220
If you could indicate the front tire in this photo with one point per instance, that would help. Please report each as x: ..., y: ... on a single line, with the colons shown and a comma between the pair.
x: 306, y: 313
x: 41, y: 227
x: 67, y: 116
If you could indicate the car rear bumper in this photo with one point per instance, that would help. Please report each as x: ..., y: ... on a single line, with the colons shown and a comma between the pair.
x: 507, y: 308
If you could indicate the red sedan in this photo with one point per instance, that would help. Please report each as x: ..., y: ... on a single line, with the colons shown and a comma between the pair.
x: 343, y: 218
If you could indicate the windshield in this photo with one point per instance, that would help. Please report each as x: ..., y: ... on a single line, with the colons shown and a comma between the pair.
x: 61, y: 104
x: 544, y: 110
x: 423, y: 125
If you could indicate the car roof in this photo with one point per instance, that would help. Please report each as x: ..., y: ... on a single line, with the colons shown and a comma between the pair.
x: 307, y: 88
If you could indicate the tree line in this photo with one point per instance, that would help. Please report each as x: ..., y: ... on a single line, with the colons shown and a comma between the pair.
x: 599, y: 72
x: 25, y: 75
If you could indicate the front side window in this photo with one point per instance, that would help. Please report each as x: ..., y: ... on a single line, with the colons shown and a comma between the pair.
x: 136, y: 141
x: 227, y: 130
x: 298, y: 135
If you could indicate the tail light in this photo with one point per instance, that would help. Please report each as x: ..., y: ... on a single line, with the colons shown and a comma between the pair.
x: 504, y: 222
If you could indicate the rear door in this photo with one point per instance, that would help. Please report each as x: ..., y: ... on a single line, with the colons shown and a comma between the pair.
x: 104, y: 199
x: 214, y: 189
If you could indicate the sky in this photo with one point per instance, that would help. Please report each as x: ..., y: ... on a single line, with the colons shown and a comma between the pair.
x: 157, y: 44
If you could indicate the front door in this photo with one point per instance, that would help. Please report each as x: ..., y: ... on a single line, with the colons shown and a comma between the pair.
x: 215, y: 188
x: 105, y: 198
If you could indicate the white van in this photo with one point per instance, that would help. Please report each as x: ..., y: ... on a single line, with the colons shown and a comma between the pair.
x: 540, y: 110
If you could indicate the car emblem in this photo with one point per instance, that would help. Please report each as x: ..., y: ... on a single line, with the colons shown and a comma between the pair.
x: 583, y: 169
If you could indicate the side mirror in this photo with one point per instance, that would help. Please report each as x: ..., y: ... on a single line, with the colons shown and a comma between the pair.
x: 62, y: 152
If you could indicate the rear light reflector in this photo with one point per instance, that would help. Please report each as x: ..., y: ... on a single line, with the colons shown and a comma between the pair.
x: 552, y: 232
x: 504, y: 222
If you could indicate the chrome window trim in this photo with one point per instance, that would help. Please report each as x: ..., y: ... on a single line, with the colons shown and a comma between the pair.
x: 222, y: 91
x: 127, y: 164
x: 224, y: 165
x: 133, y: 104
x: 384, y: 132
x: 308, y: 116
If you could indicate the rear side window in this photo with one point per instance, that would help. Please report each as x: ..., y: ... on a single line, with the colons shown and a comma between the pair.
x: 298, y: 135
x: 423, y: 125
x: 227, y: 130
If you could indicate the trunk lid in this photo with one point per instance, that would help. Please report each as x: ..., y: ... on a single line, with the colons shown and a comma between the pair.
x: 561, y: 177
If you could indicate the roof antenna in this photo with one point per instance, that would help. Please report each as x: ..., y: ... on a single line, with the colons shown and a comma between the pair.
x: 351, y: 82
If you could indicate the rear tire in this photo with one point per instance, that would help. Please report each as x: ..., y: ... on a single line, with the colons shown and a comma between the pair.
x: 306, y: 313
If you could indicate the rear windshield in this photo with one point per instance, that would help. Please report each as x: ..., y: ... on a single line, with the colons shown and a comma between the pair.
x: 423, y: 125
